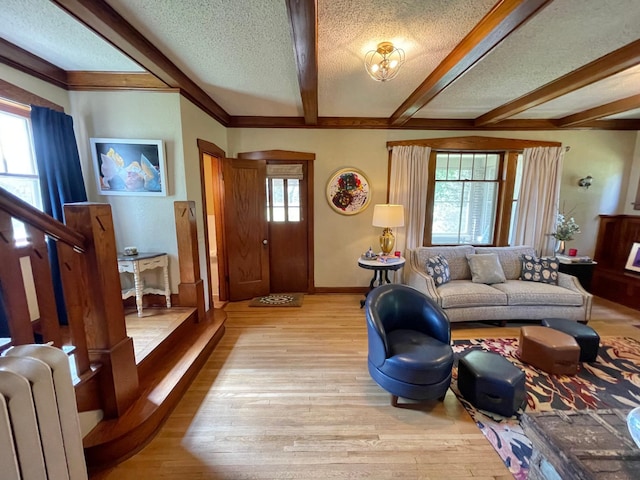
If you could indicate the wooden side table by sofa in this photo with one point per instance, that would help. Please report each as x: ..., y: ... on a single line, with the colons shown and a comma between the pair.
x: 583, y: 271
x: 135, y: 265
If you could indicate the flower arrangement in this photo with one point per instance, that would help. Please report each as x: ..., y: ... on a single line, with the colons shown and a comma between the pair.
x: 565, y: 228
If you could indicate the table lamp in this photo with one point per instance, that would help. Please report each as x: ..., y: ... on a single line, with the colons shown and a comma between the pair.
x: 388, y: 216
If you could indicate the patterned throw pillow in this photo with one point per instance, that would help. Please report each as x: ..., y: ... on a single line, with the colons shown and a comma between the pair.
x: 438, y: 268
x: 543, y: 269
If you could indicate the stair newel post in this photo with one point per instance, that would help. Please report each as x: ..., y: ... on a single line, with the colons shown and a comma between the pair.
x: 191, y: 287
x: 107, y: 339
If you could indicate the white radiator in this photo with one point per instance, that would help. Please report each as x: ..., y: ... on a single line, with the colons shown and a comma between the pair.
x: 40, y: 435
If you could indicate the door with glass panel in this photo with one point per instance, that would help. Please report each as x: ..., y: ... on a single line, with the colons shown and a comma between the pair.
x: 287, y: 218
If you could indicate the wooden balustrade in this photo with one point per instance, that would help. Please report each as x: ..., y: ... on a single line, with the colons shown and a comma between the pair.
x: 89, y: 274
x: 87, y: 259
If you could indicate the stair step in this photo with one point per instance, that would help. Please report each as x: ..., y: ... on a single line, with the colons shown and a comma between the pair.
x: 163, y: 379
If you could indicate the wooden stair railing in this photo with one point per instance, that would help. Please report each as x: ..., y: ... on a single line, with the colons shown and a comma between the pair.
x: 89, y: 272
x: 31, y: 258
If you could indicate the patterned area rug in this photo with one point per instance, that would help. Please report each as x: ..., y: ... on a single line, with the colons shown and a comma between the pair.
x: 613, y: 381
x: 278, y: 300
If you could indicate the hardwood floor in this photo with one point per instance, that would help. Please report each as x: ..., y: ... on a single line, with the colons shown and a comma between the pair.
x: 286, y: 395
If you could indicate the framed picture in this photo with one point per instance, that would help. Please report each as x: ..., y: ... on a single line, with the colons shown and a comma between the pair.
x: 129, y: 167
x: 348, y: 191
x: 633, y: 262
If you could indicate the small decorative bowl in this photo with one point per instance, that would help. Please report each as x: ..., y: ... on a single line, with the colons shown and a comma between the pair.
x: 130, y: 250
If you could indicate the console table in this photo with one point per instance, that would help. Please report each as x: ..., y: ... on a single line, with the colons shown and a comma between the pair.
x: 135, y: 265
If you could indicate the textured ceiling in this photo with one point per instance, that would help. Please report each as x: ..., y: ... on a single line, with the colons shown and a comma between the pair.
x: 562, y: 37
x: 239, y: 54
x: 40, y: 27
x: 240, y: 50
x: 348, y: 29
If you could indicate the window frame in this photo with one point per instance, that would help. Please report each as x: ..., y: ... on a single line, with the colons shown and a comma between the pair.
x: 506, y: 182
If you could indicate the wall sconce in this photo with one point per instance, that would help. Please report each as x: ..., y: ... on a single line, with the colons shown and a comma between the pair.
x: 585, y: 182
x: 383, y: 63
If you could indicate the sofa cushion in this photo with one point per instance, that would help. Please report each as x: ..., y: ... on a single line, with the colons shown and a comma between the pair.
x: 463, y: 293
x: 543, y: 269
x: 456, y: 256
x: 485, y: 268
x: 438, y: 268
x: 520, y: 292
x: 509, y: 258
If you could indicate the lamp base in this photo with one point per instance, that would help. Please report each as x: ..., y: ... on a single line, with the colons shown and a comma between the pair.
x: 387, y: 241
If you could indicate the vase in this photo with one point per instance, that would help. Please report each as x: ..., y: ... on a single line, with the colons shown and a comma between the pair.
x: 560, y: 247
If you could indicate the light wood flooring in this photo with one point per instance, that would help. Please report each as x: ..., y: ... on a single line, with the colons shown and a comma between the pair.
x: 153, y: 327
x: 286, y: 395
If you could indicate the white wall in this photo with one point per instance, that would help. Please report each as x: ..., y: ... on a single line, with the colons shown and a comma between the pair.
x: 138, y: 220
x: 339, y: 240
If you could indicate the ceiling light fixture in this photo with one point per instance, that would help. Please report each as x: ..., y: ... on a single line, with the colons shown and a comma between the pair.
x: 383, y: 63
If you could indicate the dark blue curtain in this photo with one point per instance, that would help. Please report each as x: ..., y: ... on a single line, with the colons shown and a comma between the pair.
x: 60, y: 177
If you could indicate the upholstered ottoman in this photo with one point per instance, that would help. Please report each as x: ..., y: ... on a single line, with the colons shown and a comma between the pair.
x: 587, y: 338
x: 549, y: 350
x: 491, y: 382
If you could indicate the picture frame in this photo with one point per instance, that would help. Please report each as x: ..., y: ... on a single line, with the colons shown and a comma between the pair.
x: 129, y: 166
x: 633, y: 261
x: 348, y: 191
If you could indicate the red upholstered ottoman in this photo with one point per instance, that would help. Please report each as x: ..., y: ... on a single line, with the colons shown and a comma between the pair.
x: 549, y: 350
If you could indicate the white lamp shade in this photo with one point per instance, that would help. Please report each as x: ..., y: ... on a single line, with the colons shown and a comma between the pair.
x: 388, y: 216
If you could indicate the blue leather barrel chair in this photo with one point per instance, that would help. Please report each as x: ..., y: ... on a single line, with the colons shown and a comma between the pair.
x: 410, y: 353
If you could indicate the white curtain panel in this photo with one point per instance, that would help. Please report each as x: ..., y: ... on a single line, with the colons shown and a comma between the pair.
x: 539, y: 198
x: 408, y: 187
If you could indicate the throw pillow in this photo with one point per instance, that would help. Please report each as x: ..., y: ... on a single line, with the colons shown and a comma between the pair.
x: 543, y: 269
x: 486, y: 268
x: 438, y: 268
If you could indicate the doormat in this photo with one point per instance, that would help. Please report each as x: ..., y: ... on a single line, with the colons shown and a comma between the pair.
x: 612, y: 381
x: 278, y: 300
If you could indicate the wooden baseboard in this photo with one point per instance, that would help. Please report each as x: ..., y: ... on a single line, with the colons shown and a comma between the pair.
x: 356, y: 290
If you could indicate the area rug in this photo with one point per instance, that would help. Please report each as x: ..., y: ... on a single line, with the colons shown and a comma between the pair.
x: 613, y: 381
x: 278, y: 300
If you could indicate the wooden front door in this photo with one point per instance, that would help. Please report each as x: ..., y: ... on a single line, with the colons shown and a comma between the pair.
x: 246, y: 232
x: 288, y: 230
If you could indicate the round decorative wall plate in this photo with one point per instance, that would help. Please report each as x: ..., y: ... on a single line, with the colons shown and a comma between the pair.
x: 348, y: 191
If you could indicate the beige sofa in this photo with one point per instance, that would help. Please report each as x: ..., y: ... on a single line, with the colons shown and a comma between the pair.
x: 515, y: 299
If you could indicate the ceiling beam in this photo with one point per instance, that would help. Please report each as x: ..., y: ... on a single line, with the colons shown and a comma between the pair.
x: 27, y: 62
x: 100, y: 17
x: 503, y: 19
x: 610, y: 64
x: 83, y: 80
x: 619, y: 106
x: 303, y: 17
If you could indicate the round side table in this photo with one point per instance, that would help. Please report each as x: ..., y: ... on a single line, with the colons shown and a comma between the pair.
x: 380, y: 271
